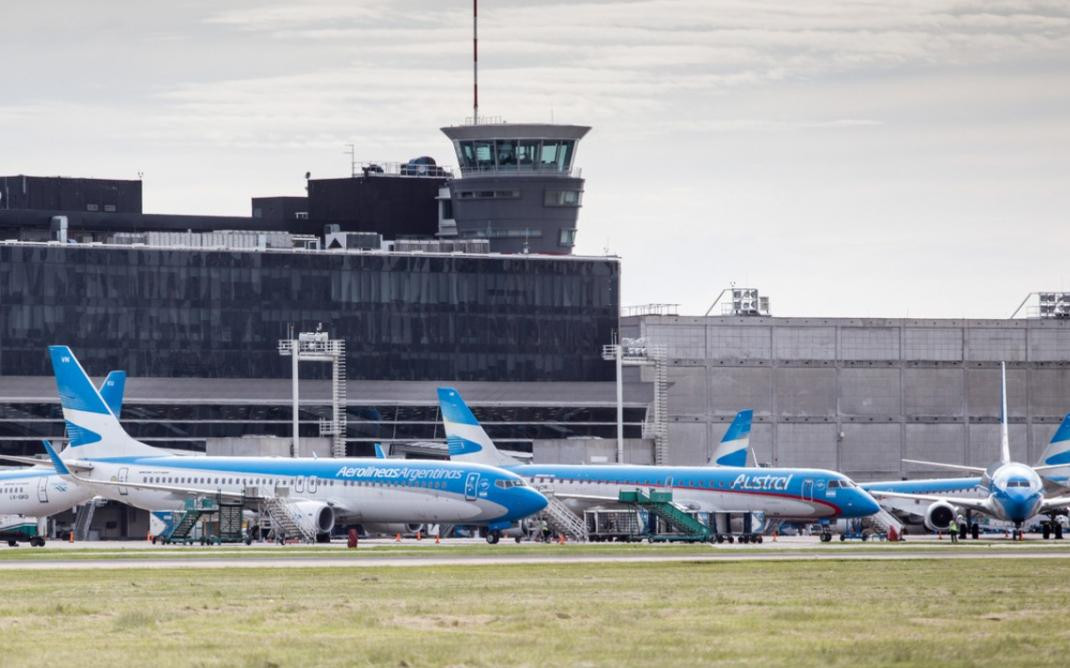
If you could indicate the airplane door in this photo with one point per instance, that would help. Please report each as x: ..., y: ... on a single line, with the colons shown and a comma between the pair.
x: 312, y: 482
x: 299, y: 484
x: 471, y: 484
x: 42, y: 490
x: 808, y: 490
x: 123, y: 473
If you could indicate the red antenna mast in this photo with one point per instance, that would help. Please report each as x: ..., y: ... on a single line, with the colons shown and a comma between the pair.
x: 475, y: 62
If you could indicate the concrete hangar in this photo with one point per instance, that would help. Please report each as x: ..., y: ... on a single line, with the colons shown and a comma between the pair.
x: 468, y: 279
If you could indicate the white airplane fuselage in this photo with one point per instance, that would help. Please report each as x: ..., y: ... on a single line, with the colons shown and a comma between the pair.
x: 359, y: 490
x: 35, y: 492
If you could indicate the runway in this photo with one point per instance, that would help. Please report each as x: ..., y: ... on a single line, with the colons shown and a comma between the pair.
x: 349, y: 560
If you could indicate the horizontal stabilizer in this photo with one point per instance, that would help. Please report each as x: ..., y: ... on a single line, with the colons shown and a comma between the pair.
x: 31, y: 461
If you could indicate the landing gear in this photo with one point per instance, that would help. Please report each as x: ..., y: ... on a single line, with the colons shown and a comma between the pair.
x: 826, y: 536
x: 518, y: 539
x: 975, y: 531
x: 12, y: 543
x: 493, y: 537
x: 37, y: 541
x: 1052, y: 528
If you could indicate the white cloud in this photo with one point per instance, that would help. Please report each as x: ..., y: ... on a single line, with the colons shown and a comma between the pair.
x: 828, y: 138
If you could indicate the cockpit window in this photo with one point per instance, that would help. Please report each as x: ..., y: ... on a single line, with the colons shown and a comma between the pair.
x: 833, y: 484
x: 507, y: 484
x: 1017, y: 483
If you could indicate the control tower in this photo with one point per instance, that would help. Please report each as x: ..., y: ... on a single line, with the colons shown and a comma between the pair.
x: 517, y: 187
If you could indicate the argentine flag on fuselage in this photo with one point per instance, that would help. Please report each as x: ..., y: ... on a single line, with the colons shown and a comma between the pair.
x: 734, y: 447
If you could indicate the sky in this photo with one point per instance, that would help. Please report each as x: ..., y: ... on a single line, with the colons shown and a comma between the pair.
x: 866, y: 159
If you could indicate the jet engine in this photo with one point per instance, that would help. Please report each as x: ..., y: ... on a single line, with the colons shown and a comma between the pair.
x: 314, y: 516
x: 938, y: 516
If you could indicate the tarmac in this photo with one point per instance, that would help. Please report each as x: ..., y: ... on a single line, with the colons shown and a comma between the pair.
x: 376, y: 554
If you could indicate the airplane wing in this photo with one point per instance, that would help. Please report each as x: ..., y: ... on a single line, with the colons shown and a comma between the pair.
x: 953, y: 467
x: 64, y: 468
x: 1054, y: 503
x: 980, y: 505
x: 173, y: 489
x: 36, y: 461
x: 1050, y: 467
x: 585, y: 497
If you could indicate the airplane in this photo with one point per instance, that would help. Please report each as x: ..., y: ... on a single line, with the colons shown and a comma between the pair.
x: 1011, y: 491
x: 39, y: 491
x: 811, y: 495
x: 313, y: 493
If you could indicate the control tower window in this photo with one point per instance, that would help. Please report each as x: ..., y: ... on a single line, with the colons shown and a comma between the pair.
x: 548, y: 159
x: 527, y: 153
x: 564, y: 158
x: 466, y: 154
x: 484, y: 154
x: 506, y: 151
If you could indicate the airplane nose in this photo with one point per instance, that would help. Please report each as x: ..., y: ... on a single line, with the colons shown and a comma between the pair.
x: 867, y: 505
x: 529, y: 502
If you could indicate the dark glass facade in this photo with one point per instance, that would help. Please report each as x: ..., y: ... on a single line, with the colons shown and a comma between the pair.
x: 219, y: 314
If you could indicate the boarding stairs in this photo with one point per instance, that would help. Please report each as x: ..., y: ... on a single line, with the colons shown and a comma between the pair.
x: 886, y: 521
x: 83, y: 518
x: 192, y: 513
x: 285, y: 522
x: 561, y: 520
x: 661, y: 504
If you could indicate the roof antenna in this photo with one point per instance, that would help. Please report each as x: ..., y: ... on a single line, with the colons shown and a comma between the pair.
x: 475, y: 62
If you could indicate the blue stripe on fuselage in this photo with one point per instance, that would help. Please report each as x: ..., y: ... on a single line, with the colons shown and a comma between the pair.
x: 786, y: 483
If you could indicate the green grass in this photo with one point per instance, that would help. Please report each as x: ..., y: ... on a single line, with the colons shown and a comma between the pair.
x: 828, y: 613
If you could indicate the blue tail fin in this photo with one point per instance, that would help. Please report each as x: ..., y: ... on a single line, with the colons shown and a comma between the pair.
x: 92, y: 428
x: 734, y: 447
x: 466, y: 438
x: 111, y: 391
x: 380, y: 453
x: 1058, y: 450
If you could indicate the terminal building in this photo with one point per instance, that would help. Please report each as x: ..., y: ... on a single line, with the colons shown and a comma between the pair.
x: 858, y: 395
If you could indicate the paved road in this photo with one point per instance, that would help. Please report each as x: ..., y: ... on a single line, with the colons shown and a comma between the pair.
x: 251, y: 561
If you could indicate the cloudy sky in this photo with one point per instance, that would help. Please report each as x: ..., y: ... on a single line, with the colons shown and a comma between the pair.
x: 848, y: 158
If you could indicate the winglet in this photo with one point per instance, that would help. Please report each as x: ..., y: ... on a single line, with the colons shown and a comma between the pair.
x: 1004, y: 439
x: 112, y: 389
x: 379, y: 452
x: 61, y: 468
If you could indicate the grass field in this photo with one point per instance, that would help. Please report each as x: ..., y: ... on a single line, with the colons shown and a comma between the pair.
x: 989, y: 612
